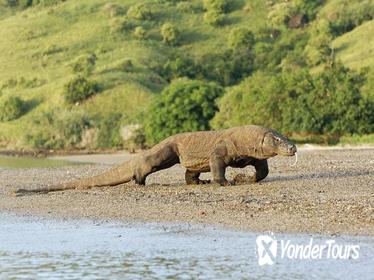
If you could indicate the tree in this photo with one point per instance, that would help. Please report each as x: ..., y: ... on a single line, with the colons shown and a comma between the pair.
x: 241, y: 38
x: 85, y: 64
x: 79, y: 89
x: 330, y: 102
x: 214, y: 18
x: 254, y: 101
x: 140, y: 33
x: 170, y: 34
x: 336, y: 104
x: 186, y: 105
x: 318, y: 49
x: 12, y: 108
x: 180, y: 67
x: 229, y: 67
x: 220, y: 6
x: 140, y: 11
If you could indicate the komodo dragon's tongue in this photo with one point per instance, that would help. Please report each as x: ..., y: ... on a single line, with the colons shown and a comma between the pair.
x: 294, y: 164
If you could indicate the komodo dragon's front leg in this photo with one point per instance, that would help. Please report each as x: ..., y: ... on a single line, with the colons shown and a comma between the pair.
x: 220, y: 160
x: 262, y: 170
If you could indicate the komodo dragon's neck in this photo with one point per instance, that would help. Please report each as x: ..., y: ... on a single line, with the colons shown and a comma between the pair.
x: 248, y: 141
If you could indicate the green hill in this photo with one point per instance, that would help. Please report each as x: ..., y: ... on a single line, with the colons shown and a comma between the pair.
x: 356, y: 48
x: 42, y: 44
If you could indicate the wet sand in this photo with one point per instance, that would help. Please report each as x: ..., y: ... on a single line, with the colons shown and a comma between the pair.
x: 329, y: 191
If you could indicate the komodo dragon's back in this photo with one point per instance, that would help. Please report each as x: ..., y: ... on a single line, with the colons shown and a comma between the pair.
x: 195, y: 148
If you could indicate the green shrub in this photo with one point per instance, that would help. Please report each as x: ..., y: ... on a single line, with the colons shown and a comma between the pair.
x: 241, y: 38
x: 140, y: 11
x: 41, y: 140
x: 280, y: 13
x: 58, y: 129
x: 79, y: 89
x: 85, y: 64
x: 186, y: 105
x: 28, y: 3
x: 109, y: 131
x: 318, y: 49
x: 170, y: 34
x: 214, y: 18
x: 186, y: 7
x: 351, y: 14
x: 330, y: 102
x: 270, y: 52
x: 368, y: 88
x: 171, y: 2
x: 47, y: 2
x: 293, y: 61
x: 140, y: 33
x: 70, y: 126
x: 12, y: 108
x: 220, y: 6
x: 25, y: 3
x: 10, y: 3
x: 309, y: 7
x: 254, y: 101
x: 227, y: 68
x: 180, y: 67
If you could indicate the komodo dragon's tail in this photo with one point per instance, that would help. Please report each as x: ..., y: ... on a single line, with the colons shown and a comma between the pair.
x: 115, y: 176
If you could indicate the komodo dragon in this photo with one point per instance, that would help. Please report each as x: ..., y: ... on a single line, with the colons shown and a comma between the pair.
x: 198, y: 152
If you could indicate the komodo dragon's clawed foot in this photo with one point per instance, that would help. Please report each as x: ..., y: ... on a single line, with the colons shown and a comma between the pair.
x: 198, y: 182
x: 202, y: 182
x: 241, y: 179
x: 224, y: 183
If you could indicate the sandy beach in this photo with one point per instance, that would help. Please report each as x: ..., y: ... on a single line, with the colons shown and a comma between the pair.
x: 329, y: 191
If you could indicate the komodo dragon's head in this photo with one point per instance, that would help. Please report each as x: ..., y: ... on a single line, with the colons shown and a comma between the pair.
x: 275, y: 143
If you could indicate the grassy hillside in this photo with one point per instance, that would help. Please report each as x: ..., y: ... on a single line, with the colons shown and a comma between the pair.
x: 356, y: 48
x: 41, y: 44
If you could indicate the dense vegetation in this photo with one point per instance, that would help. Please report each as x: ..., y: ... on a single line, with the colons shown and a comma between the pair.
x: 185, y: 105
x: 101, y: 74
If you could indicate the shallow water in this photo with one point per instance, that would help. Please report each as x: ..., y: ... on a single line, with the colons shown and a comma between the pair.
x: 30, y: 162
x: 32, y: 248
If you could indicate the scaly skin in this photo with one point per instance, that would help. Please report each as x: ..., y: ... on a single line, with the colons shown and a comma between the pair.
x: 198, y: 152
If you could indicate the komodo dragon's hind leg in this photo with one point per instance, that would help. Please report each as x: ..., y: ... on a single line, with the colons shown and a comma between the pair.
x: 192, y: 178
x: 154, y: 160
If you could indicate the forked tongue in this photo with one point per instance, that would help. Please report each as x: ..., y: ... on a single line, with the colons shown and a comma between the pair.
x: 294, y: 164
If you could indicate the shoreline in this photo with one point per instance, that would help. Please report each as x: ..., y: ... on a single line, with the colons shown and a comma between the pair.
x: 327, y: 192
x: 173, y: 225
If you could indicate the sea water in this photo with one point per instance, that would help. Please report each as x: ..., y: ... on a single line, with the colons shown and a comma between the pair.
x: 36, y: 248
